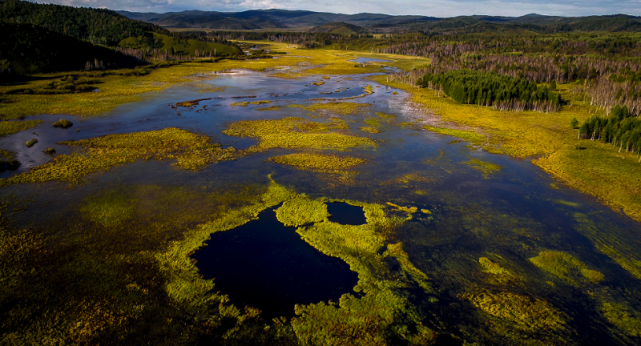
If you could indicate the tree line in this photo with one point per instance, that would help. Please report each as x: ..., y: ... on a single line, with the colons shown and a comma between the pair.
x: 492, y: 89
x: 622, y: 129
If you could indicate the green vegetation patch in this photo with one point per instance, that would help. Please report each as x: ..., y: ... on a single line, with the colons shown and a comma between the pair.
x: 342, y: 108
x: 295, y: 132
x: 190, y: 150
x: 270, y: 108
x: 492, y: 268
x: 301, y: 211
x: 619, y: 315
x: 365, y: 320
x: 321, y: 162
x: 470, y: 136
x: 109, y: 209
x: 524, y: 312
x: 30, y: 143
x: 14, y: 126
x: 484, y: 167
x: 369, y: 129
x: 63, y: 123
x: 565, y: 266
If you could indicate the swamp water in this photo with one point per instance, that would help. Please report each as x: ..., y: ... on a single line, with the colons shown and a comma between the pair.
x: 463, y: 213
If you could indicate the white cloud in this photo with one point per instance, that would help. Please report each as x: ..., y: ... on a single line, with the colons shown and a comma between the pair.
x: 439, y: 8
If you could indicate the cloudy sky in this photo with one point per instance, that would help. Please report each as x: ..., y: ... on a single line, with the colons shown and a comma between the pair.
x: 437, y: 8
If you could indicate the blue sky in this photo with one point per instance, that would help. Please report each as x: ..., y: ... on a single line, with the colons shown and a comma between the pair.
x: 437, y: 8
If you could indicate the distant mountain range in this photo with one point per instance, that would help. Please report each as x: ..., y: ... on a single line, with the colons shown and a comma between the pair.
x: 372, y: 22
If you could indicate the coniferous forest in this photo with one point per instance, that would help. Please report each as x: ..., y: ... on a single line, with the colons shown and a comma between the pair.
x: 491, y: 89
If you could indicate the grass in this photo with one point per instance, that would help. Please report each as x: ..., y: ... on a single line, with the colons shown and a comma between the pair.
x: 492, y: 268
x: 484, y: 167
x: 292, y: 133
x: 190, y: 150
x: 469, y: 136
x: 10, y: 127
x: 565, y: 266
x: 525, y: 312
x: 270, y: 108
x: 102, y: 282
x: 342, y: 108
x: 301, y: 211
x: 368, y: 319
x: 619, y: 315
x: 369, y: 129
x: 549, y: 140
x: 318, y: 162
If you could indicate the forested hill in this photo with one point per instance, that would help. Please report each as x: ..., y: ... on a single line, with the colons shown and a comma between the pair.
x: 339, y: 28
x: 383, y: 23
x: 94, y: 25
x: 28, y: 48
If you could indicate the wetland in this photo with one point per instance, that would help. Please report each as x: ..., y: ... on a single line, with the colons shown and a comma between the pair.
x: 241, y: 203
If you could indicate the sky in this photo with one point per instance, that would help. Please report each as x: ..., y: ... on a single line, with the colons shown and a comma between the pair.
x: 436, y: 8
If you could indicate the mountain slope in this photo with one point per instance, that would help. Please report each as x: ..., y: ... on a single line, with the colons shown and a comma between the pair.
x: 28, y: 48
x: 339, y: 28
x: 95, y: 25
x: 273, y: 19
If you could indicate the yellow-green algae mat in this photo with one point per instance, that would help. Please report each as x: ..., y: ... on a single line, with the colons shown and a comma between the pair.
x: 365, y: 320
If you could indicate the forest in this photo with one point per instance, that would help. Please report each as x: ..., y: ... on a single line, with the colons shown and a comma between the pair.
x: 622, y: 128
x: 491, y: 89
x: 39, y: 38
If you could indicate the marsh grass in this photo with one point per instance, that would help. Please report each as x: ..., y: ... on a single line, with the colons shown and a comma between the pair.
x: 190, y: 150
x: 565, y: 266
x: 302, y: 211
x: 318, y: 162
x: 341, y: 108
x: 292, y: 132
x: 484, y: 167
x: 523, y: 312
x: 620, y: 316
x: 10, y: 127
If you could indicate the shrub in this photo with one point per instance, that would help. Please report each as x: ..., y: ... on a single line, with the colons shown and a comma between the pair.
x: 31, y: 142
x: 64, y: 123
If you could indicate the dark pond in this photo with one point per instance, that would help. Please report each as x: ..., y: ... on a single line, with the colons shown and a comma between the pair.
x: 346, y: 214
x: 266, y: 265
